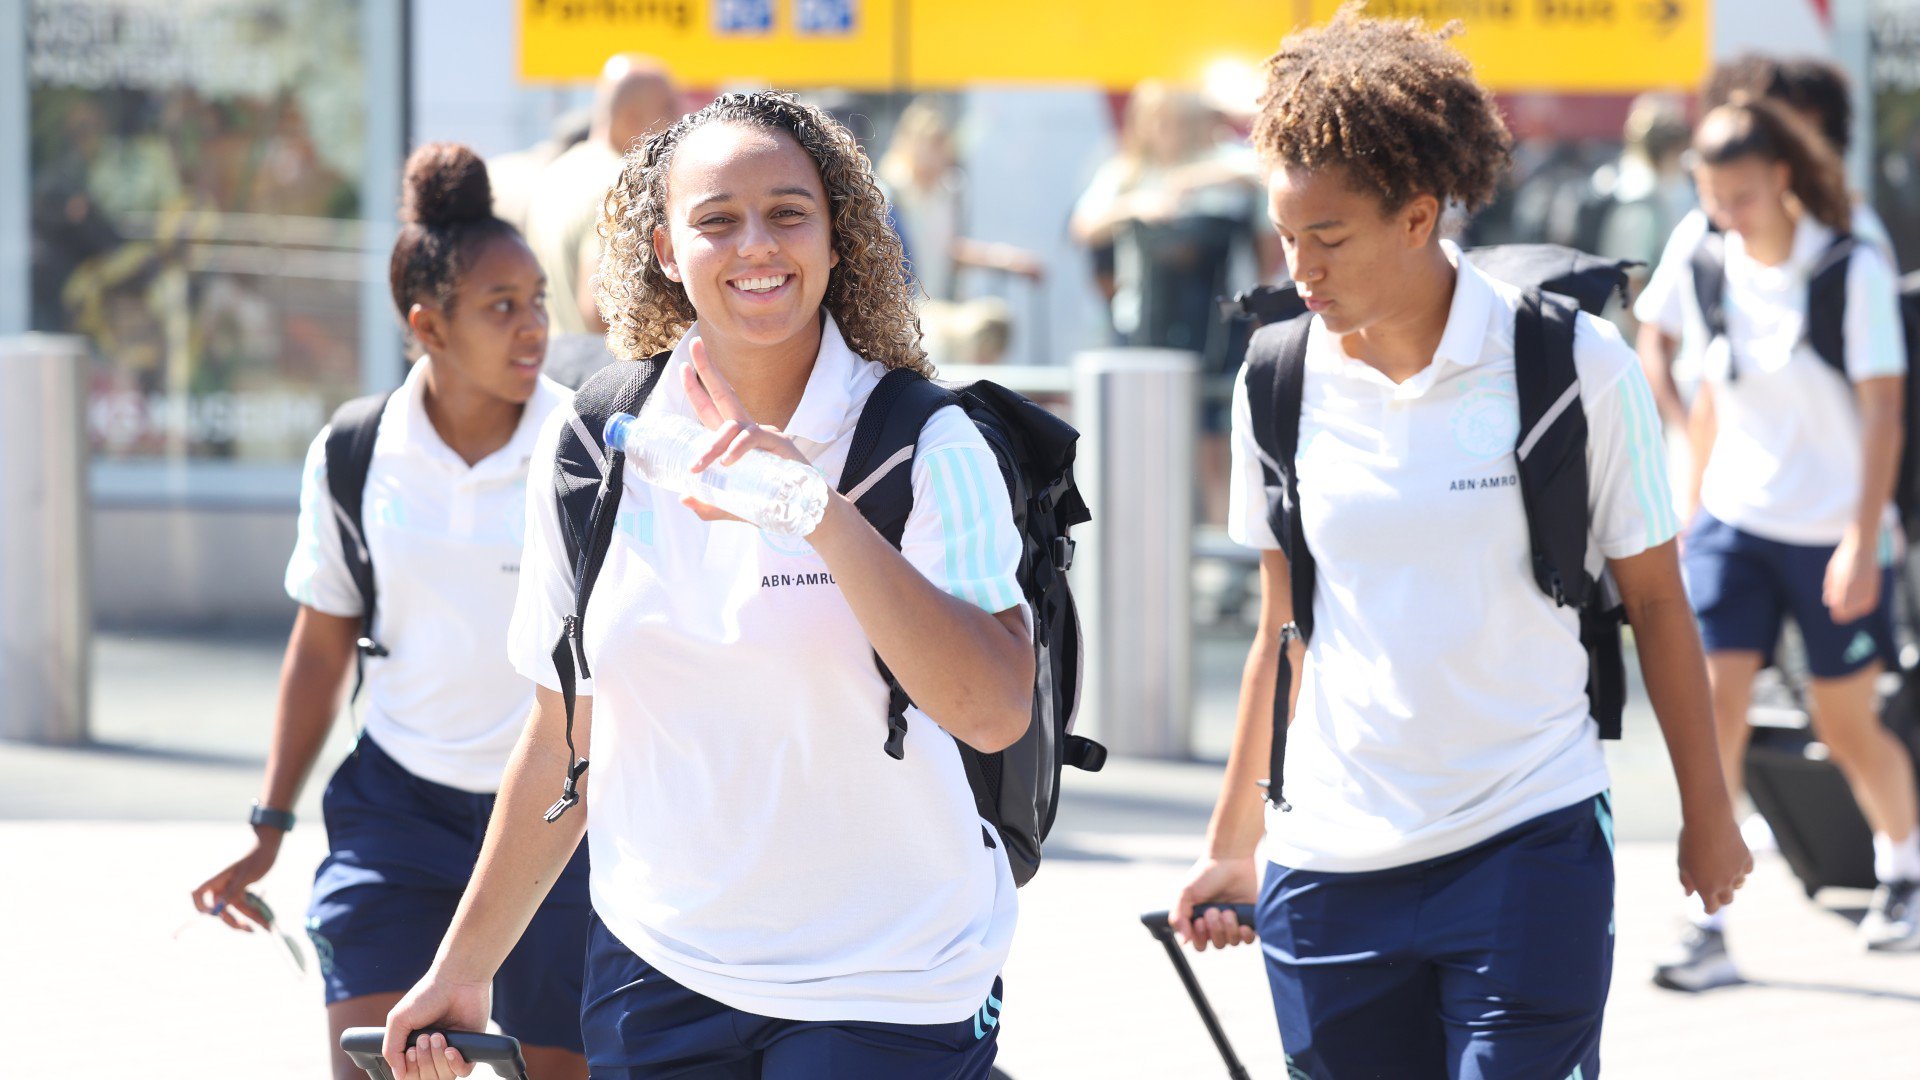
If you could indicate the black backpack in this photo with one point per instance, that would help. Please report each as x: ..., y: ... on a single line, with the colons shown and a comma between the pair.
x: 349, y: 453
x: 1552, y: 454
x: 1826, y: 334
x: 1016, y: 789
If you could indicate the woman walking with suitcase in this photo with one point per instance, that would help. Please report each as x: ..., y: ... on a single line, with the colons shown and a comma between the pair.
x: 1438, y: 900
x: 1796, y: 434
x: 445, y: 476
x: 775, y: 896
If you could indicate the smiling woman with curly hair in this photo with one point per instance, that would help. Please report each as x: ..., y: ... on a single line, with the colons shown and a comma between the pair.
x: 646, y: 309
x: 779, y: 891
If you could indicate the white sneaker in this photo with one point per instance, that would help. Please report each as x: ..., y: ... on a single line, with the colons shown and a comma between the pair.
x: 1893, y: 918
x: 1701, y: 963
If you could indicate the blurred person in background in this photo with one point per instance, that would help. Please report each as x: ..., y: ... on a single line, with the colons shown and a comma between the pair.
x: 444, y: 499
x: 1642, y: 197
x: 1438, y: 892
x: 1180, y: 204
x: 926, y: 188
x: 516, y: 174
x: 636, y: 97
x: 926, y: 193
x: 1794, y: 464
x: 1818, y: 93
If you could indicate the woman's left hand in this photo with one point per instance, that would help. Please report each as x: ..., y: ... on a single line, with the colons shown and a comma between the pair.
x: 734, y: 432
x: 1852, y: 590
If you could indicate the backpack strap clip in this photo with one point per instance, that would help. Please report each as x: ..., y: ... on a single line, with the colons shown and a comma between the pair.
x: 370, y: 647
x: 1063, y: 549
x: 897, y: 704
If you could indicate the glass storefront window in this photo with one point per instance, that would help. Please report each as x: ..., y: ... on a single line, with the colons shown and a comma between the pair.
x: 198, y: 188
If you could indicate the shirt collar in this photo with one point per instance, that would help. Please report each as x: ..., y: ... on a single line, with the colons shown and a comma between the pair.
x: 1463, y: 344
x: 824, y: 404
x: 416, y: 434
x: 1810, y: 241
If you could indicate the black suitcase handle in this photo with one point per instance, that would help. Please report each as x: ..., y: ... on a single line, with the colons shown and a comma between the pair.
x: 502, y: 1052
x: 1156, y: 924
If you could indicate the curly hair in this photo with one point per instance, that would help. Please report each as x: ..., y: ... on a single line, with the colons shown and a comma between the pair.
x: 446, y: 217
x: 1390, y: 101
x: 867, y: 292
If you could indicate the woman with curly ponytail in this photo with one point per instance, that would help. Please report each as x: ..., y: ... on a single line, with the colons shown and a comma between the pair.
x: 445, y: 472
x: 775, y: 895
x: 1437, y: 897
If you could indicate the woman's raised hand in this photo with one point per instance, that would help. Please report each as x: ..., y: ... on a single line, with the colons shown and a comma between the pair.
x: 734, y: 432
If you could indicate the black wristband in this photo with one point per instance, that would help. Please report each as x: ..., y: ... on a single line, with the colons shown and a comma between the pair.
x: 273, y: 819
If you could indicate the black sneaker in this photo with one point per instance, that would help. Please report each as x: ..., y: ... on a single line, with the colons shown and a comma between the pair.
x: 1893, y: 918
x: 1701, y: 963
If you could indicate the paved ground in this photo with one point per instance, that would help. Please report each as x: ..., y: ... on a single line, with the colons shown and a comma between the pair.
x: 100, y: 954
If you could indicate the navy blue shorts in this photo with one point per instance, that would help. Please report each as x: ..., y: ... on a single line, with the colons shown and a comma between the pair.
x: 641, y: 1025
x: 1488, y: 964
x: 400, y: 852
x: 1743, y: 586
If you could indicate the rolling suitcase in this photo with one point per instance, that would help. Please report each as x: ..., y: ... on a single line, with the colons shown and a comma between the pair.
x: 501, y: 1052
x: 1808, y: 803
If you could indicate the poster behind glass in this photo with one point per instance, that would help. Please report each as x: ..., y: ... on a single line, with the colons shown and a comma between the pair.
x: 196, y: 200
x: 1896, y: 123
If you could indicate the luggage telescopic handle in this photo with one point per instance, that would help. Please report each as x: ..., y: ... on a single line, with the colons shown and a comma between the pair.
x: 1156, y: 921
x: 1156, y: 924
x: 502, y: 1052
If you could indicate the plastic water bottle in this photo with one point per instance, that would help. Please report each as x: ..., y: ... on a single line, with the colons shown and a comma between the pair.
x: 783, y: 497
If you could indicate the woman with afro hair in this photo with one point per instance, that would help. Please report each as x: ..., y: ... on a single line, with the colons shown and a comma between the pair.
x: 774, y: 896
x: 1438, y: 898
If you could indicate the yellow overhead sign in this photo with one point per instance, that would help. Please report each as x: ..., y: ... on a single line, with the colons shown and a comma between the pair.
x: 1555, y: 45
x: 1569, y: 46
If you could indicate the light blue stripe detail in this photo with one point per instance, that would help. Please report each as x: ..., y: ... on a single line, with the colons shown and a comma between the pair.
x: 1605, y: 813
x: 939, y: 473
x: 969, y: 530
x: 1578, y: 1073
x: 1647, y: 460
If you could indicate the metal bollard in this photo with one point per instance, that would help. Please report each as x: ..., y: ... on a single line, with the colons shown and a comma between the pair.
x: 1135, y: 409
x: 45, y: 615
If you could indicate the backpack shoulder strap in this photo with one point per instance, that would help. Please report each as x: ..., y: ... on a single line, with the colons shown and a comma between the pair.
x: 1276, y: 382
x: 1709, y: 265
x: 1276, y: 377
x: 1552, y: 450
x: 1826, y: 330
x: 878, y: 478
x: 349, y: 452
x: 588, y: 479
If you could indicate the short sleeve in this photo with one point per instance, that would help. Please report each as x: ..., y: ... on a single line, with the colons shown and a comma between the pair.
x: 317, y: 574
x: 545, y: 597
x: 1630, y: 495
x: 960, y: 535
x: 1101, y: 191
x: 1663, y: 303
x: 1247, y: 484
x: 1876, y: 339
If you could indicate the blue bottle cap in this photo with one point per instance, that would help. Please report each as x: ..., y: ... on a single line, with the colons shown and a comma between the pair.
x: 616, y: 430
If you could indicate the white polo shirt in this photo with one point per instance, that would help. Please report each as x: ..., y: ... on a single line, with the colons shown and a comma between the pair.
x: 1669, y: 309
x: 1443, y: 700
x: 751, y: 838
x: 445, y: 539
x: 1787, y: 462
